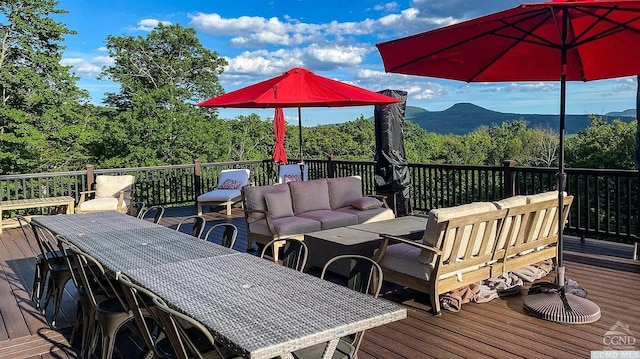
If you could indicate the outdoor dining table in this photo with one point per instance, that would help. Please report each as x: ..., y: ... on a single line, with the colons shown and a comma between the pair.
x: 254, y: 306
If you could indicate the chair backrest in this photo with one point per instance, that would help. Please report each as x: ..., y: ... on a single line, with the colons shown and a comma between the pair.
x: 47, y: 243
x: 240, y: 175
x: 155, y: 212
x: 136, y: 209
x: 365, y: 276
x: 294, y: 254
x: 111, y: 186
x: 289, y: 173
x: 197, y: 226
x: 25, y: 226
x: 223, y: 234
x: 176, y: 324
x: 94, y: 278
x: 135, y: 297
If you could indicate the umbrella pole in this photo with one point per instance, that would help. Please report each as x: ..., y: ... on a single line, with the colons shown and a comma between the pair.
x: 300, y: 143
x: 562, y: 307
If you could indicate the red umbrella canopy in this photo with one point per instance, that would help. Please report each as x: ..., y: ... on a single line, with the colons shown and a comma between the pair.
x: 525, y: 44
x: 279, y: 153
x: 298, y: 87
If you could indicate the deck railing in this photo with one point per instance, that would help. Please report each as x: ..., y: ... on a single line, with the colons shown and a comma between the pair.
x: 606, y: 204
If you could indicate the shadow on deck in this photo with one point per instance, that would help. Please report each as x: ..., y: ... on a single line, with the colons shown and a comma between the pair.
x: 499, y: 328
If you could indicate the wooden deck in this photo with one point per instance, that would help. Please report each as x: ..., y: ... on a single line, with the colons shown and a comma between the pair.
x: 498, y: 329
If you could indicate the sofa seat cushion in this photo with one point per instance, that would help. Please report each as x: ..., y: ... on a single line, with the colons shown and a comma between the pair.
x: 369, y: 215
x: 404, y: 258
x: 309, y: 196
x: 101, y: 205
x: 344, y: 190
x: 331, y: 219
x: 285, y: 226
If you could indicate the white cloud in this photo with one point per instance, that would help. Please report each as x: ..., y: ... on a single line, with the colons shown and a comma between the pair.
x: 150, y: 24
x: 255, y: 31
x: 84, y: 67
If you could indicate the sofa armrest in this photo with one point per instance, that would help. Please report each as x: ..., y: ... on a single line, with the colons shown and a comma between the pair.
x: 267, y: 216
x: 387, y: 238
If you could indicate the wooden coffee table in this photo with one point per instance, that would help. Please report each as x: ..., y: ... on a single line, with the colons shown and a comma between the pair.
x: 362, y: 239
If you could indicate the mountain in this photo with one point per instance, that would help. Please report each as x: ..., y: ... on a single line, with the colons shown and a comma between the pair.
x: 463, y: 118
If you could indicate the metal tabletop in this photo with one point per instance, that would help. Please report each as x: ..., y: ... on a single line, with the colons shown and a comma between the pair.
x: 254, y: 306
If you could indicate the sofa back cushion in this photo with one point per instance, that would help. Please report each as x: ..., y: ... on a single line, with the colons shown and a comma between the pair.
x: 254, y: 199
x: 279, y: 204
x: 435, y: 233
x: 343, y: 190
x: 309, y: 195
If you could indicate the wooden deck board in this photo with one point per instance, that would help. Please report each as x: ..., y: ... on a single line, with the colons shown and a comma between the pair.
x: 499, y: 328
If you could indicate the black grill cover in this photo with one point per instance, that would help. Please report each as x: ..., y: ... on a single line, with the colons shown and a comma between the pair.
x: 392, y: 173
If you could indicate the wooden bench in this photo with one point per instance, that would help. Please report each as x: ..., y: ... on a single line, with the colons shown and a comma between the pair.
x: 465, y: 245
x: 33, y: 203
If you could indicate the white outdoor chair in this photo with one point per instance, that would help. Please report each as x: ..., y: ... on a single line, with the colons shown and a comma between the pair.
x: 112, y: 193
x: 228, y: 190
x: 289, y: 173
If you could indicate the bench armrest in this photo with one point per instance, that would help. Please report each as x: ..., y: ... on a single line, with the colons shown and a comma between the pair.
x: 267, y: 216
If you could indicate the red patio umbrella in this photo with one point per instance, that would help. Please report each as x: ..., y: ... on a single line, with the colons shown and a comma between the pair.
x: 279, y: 153
x: 556, y: 40
x: 298, y: 87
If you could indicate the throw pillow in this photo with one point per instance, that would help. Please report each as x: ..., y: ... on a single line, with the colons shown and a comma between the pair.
x: 364, y: 203
x: 230, y: 184
x: 279, y: 204
x: 292, y: 178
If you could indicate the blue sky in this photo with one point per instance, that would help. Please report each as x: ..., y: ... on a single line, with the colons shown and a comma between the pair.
x: 334, y: 38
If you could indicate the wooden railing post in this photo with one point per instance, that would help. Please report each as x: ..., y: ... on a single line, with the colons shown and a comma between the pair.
x: 509, y: 185
x: 197, y: 178
x: 331, y: 167
x: 90, y: 177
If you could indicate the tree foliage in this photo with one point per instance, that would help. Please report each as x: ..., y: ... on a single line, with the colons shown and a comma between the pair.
x: 43, y: 114
x: 161, y: 76
x: 603, y: 145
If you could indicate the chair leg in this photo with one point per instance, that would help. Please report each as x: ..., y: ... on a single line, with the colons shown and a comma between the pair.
x: 110, y: 325
x: 228, y: 208
x: 199, y: 209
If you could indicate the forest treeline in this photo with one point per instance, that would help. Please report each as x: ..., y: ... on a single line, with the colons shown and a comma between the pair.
x: 47, y: 122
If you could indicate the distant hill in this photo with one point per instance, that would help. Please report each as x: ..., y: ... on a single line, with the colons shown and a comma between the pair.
x: 463, y: 118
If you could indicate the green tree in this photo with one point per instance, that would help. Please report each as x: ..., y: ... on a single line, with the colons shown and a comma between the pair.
x: 43, y: 126
x: 603, y: 145
x: 161, y: 76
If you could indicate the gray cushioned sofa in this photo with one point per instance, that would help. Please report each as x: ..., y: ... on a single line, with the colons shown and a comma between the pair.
x: 291, y: 209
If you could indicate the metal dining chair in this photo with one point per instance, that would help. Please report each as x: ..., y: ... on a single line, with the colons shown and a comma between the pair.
x: 41, y: 269
x: 53, y: 268
x: 223, y: 234
x: 187, y: 336
x: 364, y: 276
x: 108, y: 311
x: 155, y: 212
x: 197, y: 227
x: 294, y: 252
